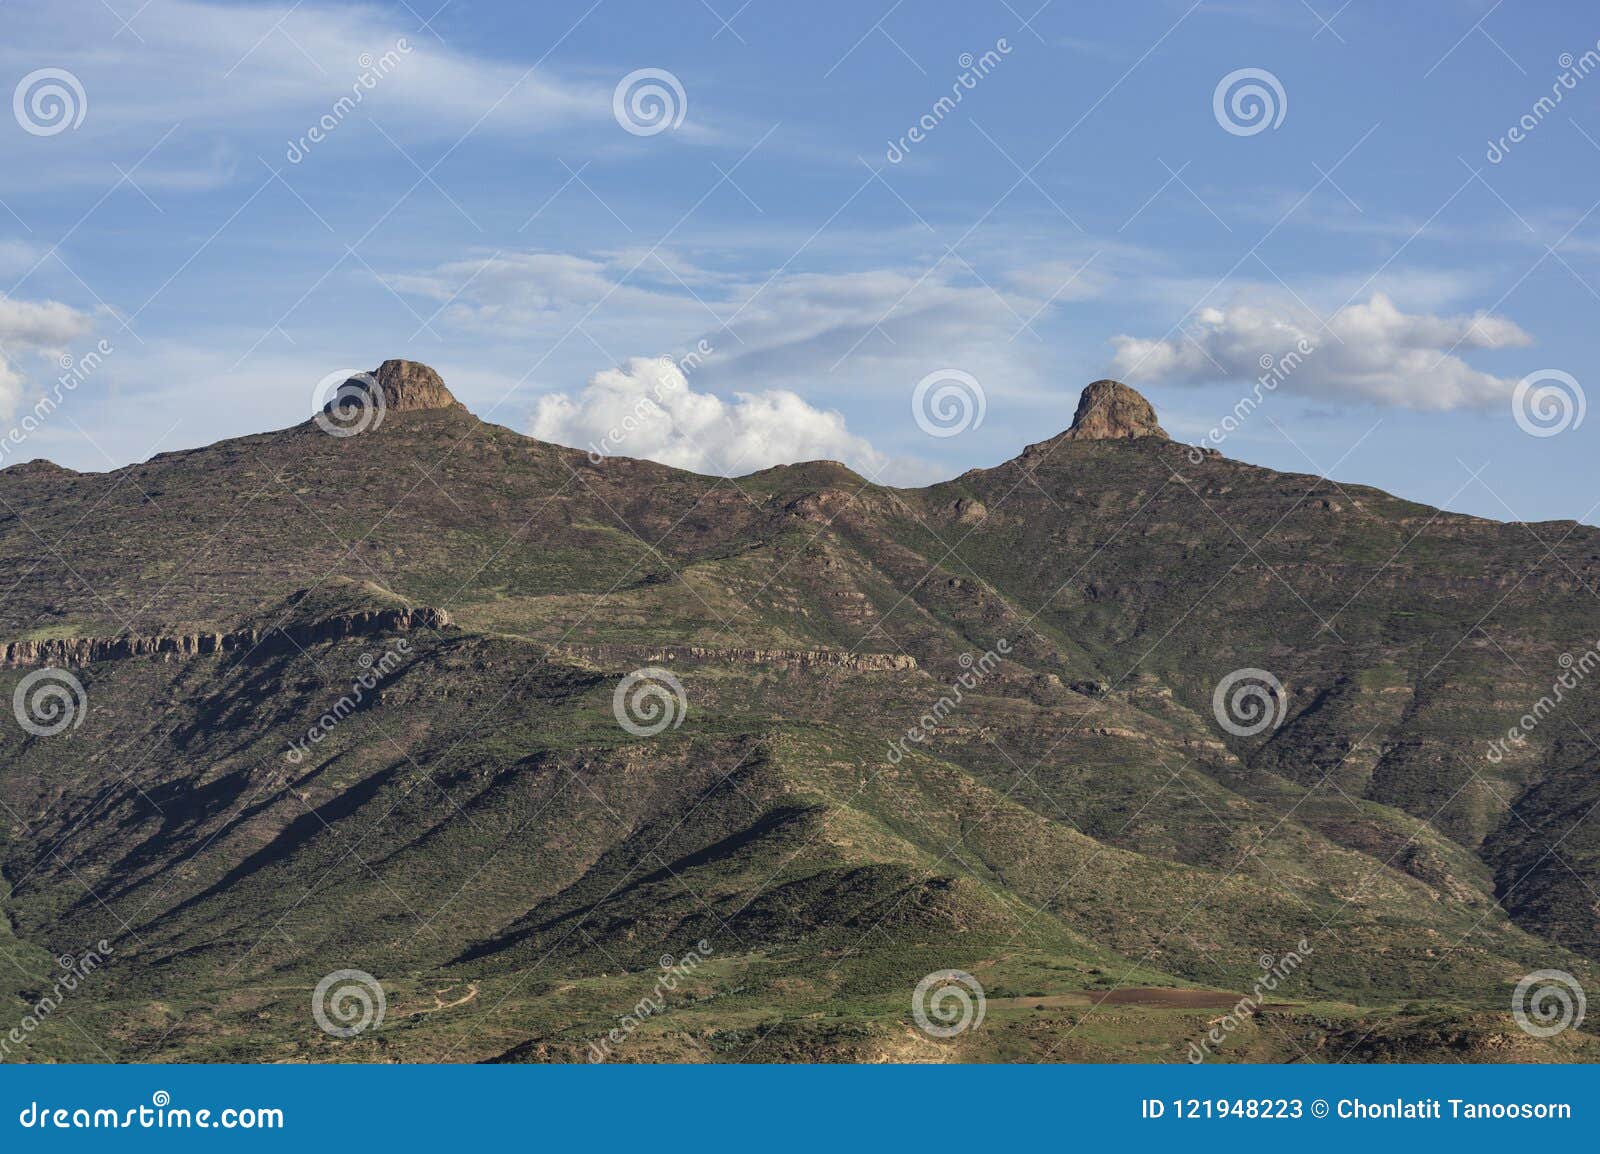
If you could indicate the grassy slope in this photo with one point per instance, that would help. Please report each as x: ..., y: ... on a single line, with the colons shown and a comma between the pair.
x: 484, y: 834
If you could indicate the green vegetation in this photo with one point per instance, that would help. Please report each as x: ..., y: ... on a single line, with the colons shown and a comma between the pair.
x: 1077, y: 833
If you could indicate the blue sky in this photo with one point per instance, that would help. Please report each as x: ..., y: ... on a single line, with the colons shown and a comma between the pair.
x: 1092, y: 206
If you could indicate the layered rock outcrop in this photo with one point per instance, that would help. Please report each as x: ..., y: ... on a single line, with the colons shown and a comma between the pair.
x: 776, y: 658
x: 179, y: 646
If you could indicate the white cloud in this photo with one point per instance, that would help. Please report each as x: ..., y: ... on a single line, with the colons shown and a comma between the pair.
x: 10, y: 388
x: 648, y: 409
x: 263, y: 75
x: 856, y: 340
x: 32, y: 327
x: 817, y: 324
x: 845, y: 334
x: 513, y: 291
x: 40, y: 324
x: 17, y: 256
x: 1369, y: 352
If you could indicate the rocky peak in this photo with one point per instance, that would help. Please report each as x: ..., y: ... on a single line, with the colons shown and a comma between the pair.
x: 410, y: 385
x: 1111, y: 411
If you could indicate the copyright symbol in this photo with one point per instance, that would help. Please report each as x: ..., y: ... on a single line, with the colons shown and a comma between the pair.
x: 1319, y: 1109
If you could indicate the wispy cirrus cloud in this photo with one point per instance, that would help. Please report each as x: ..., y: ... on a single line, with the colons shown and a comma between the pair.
x: 872, y: 329
x: 260, y: 75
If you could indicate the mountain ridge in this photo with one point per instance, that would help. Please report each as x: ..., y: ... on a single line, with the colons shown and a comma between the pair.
x: 1073, y: 817
x: 1107, y: 410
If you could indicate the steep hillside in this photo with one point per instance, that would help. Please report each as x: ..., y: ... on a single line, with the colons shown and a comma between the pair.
x: 516, y: 731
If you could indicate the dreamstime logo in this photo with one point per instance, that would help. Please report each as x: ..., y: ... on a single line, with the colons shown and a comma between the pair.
x: 373, y: 69
x: 673, y: 972
x: 372, y: 672
x: 649, y: 101
x: 74, y: 971
x: 649, y: 701
x: 49, y: 701
x: 947, y: 402
x: 1547, y: 1002
x: 1548, y: 402
x: 74, y: 371
x: 1275, y: 971
x: 651, y: 409
x: 973, y: 69
x: 354, y: 998
x: 49, y: 101
x: 161, y: 1114
x: 1573, y: 69
x: 357, y: 403
x: 974, y: 670
x: 1248, y: 701
x: 1274, y: 371
x: 1573, y: 672
x: 1249, y: 100
x: 954, y: 997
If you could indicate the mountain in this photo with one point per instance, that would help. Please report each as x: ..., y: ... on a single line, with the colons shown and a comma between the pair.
x: 582, y: 756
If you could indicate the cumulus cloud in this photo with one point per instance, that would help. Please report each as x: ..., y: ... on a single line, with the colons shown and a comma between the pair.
x: 32, y: 327
x: 1368, y: 352
x: 647, y: 408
